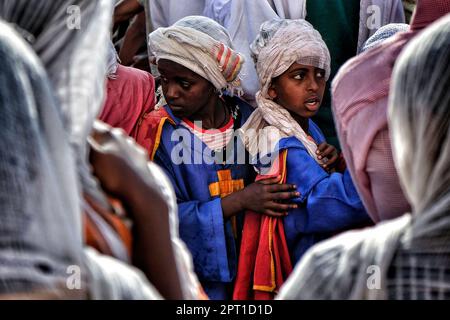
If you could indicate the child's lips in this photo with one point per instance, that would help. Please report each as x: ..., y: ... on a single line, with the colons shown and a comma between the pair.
x: 312, y: 104
x: 176, y: 109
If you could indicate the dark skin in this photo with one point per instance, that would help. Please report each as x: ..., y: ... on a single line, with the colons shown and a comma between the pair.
x: 110, y: 160
x: 125, y: 10
x: 300, y: 90
x: 190, y: 96
x: 133, y: 40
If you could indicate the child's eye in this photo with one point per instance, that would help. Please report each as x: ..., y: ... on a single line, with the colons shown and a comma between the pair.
x: 185, y: 84
x: 299, y: 76
x: 320, y: 74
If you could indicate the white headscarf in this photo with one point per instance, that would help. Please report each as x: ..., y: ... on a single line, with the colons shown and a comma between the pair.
x: 280, y: 44
x: 419, y: 118
x: 40, y: 229
x: 203, y: 46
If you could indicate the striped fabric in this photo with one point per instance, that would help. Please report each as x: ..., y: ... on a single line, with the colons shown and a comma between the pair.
x: 215, y: 139
x: 229, y: 63
x: 421, y: 276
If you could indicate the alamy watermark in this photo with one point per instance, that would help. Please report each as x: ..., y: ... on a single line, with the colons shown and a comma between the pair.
x: 73, y: 21
x: 374, y: 278
x: 73, y: 281
x: 374, y: 17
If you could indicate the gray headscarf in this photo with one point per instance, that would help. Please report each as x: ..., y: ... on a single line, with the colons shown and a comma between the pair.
x: 40, y: 235
x: 419, y: 114
x: 46, y: 238
x: 70, y: 38
x: 408, y: 255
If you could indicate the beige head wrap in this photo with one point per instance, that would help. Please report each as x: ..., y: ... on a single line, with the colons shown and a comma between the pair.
x: 203, y: 46
x: 280, y: 44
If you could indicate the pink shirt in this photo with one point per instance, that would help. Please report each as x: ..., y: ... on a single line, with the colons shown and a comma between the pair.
x: 360, y: 100
x: 128, y: 96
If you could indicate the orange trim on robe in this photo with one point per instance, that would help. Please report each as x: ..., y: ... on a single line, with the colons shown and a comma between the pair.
x: 264, y: 262
x: 149, y: 130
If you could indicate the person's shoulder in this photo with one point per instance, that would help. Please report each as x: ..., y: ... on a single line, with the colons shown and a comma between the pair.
x: 320, y: 270
x: 150, y: 129
x: 134, y: 73
x: 329, y: 269
x: 155, y: 116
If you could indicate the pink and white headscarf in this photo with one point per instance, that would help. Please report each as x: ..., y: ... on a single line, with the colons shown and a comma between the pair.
x: 279, y: 44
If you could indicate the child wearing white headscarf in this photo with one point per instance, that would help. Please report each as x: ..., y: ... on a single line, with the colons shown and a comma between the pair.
x: 212, y: 179
x: 328, y: 202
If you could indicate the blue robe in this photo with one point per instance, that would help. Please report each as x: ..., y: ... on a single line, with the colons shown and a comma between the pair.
x: 210, y: 240
x: 328, y: 203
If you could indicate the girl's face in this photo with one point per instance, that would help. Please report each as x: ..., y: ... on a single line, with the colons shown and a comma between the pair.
x: 186, y: 93
x: 299, y: 89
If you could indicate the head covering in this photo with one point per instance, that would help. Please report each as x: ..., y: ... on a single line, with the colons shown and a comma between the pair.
x: 40, y: 229
x: 74, y: 57
x: 280, y: 44
x: 203, y: 46
x: 385, y: 32
x: 243, y: 19
x: 70, y: 38
x: 359, y: 105
x: 419, y: 118
x: 408, y: 255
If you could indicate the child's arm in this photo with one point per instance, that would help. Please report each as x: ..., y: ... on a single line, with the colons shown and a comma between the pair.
x: 328, y: 202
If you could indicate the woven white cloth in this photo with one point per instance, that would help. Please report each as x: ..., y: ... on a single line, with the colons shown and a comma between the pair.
x: 280, y: 44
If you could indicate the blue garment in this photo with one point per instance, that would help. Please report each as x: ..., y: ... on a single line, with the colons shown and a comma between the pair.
x: 210, y: 240
x: 328, y: 203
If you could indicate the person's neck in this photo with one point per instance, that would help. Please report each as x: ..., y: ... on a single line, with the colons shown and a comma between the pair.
x: 214, y: 115
x: 303, y: 122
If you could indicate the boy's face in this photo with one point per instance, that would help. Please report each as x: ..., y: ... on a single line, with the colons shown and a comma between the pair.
x: 185, y: 92
x: 299, y: 89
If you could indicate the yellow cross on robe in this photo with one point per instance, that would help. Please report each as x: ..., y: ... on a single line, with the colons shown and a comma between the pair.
x: 225, y: 186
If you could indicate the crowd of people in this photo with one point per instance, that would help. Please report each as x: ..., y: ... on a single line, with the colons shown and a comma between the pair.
x: 225, y: 149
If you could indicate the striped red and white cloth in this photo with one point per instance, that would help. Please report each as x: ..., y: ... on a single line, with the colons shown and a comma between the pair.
x: 215, y: 139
